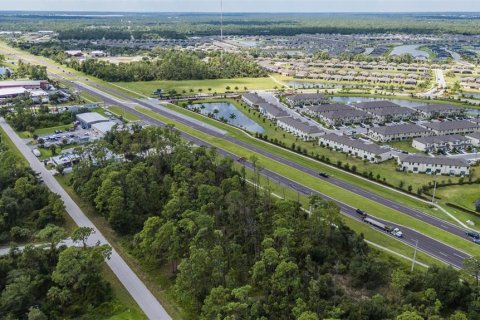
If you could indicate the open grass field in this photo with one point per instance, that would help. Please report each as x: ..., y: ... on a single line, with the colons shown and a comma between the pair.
x: 215, y: 85
x: 120, y: 112
x: 464, y: 195
x: 328, y: 189
x: 403, y: 145
x: 51, y: 130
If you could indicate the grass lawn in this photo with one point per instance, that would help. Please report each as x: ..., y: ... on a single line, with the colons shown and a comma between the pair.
x: 51, y: 130
x: 216, y: 85
x: 403, y: 145
x: 11, y: 146
x: 374, y: 208
x: 120, y: 112
x: 462, y: 195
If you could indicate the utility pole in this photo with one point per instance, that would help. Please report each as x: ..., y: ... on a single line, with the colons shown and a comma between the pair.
x: 434, y: 190
x: 414, y: 255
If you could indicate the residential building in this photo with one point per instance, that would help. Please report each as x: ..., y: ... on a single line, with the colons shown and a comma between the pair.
x: 299, y: 128
x: 397, y: 132
x: 374, y: 105
x: 344, y: 117
x: 271, y: 111
x: 356, y: 147
x: 316, y: 110
x: 433, y: 165
x: 252, y: 99
x: 389, y: 114
x: 474, y: 138
x: 430, y: 111
x: 87, y: 119
x: 441, y: 143
x: 39, y: 96
x: 452, y: 127
x: 303, y: 99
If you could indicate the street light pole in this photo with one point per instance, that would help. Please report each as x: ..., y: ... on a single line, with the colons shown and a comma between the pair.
x: 434, y: 190
x: 414, y: 255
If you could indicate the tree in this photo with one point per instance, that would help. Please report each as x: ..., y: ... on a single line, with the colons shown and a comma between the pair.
x: 472, y: 266
x: 409, y: 315
x: 82, y: 234
x: 36, y: 314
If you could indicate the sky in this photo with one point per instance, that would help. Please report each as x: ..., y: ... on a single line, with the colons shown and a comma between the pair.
x: 244, y: 5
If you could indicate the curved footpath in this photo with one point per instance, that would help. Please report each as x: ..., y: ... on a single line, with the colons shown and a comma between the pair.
x: 137, y: 289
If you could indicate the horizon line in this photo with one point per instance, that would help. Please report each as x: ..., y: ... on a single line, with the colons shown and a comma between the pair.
x: 240, y: 12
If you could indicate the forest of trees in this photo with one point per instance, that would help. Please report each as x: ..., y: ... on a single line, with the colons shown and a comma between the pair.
x: 235, y: 252
x: 167, y: 65
x: 34, y: 72
x: 26, y: 204
x: 53, y: 282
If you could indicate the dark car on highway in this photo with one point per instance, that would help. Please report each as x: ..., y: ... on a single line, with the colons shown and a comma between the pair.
x: 323, y: 174
x: 473, y: 234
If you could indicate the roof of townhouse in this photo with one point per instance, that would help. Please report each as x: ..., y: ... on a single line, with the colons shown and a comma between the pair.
x: 477, y: 121
x: 475, y: 135
x: 273, y: 110
x: 398, y: 129
x: 456, y: 162
x: 375, y: 104
x: 300, y: 125
x: 356, y: 143
x: 253, y: 98
x: 338, y: 114
x: 391, y: 111
x: 451, y: 125
x: 306, y: 96
x: 441, y: 139
x: 329, y: 107
x: 437, y: 107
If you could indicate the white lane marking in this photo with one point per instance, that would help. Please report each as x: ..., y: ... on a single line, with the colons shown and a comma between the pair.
x: 443, y: 254
x: 458, y: 256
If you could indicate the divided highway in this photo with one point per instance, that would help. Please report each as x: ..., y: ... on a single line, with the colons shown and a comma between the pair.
x: 439, y: 250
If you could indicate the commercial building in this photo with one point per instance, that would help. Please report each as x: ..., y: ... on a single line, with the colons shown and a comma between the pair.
x: 441, y: 143
x: 303, y: 99
x: 26, y: 84
x: 87, y: 119
x: 101, y: 128
x: 356, y: 147
x: 453, y: 127
x: 299, y: 128
x: 9, y: 93
x: 433, y: 165
x: 397, y: 132
x: 430, y: 111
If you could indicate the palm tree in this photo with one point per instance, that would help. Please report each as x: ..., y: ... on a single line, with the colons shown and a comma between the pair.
x: 233, y: 116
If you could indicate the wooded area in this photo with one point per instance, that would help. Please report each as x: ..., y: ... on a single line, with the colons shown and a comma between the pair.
x: 235, y: 252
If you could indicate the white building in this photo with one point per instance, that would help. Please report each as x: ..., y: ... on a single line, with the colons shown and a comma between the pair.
x: 474, y: 138
x: 441, y: 143
x: 431, y: 165
x: 271, y: 111
x: 299, y: 128
x: 39, y: 96
x: 88, y: 118
x: 398, y: 132
x: 101, y: 128
x: 356, y: 147
x: 439, y: 110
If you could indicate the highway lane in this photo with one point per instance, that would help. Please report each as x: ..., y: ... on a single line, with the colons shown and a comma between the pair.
x: 441, y: 251
x: 137, y: 289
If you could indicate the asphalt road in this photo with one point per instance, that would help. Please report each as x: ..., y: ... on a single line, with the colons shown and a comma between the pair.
x: 431, y: 246
x: 145, y: 299
x: 411, y: 237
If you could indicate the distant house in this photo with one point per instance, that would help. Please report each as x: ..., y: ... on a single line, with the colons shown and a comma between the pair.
x: 299, y: 128
x: 303, y: 99
x: 397, y: 132
x: 439, y: 110
x: 39, y: 96
x: 441, y: 143
x: 344, y: 117
x: 356, y: 147
x: 433, y: 165
x: 388, y: 114
x: 74, y: 53
x: 374, y: 105
x: 97, y: 54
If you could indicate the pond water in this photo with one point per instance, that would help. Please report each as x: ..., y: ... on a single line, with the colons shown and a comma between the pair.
x: 411, y: 49
x: 471, y: 95
x: 229, y: 112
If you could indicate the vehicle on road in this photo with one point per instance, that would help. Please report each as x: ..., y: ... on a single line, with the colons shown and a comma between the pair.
x: 361, y: 212
x: 377, y: 224
x: 323, y: 174
x: 473, y: 234
x: 36, y: 152
x: 475, y: 240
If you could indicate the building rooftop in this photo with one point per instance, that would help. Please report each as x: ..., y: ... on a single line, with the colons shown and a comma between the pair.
x: 444, y: 161
x: 375, y: 105
x: 451, y: 125
x: 391, y: 111
x: 329, y: 107
x: 441, y: 139
x: 356, y: 143
x: 104, y: 127
x: 437, y: 107
x: 300, y: 125
x: 306, y: 96
x: 253, y: 98
x: 475, y: 135
x: 273, y: 110
x: 5, y: 92
x: 352, y: 113
x: 399, y: 129
x: 90, y: 117
x: 21, y: 83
